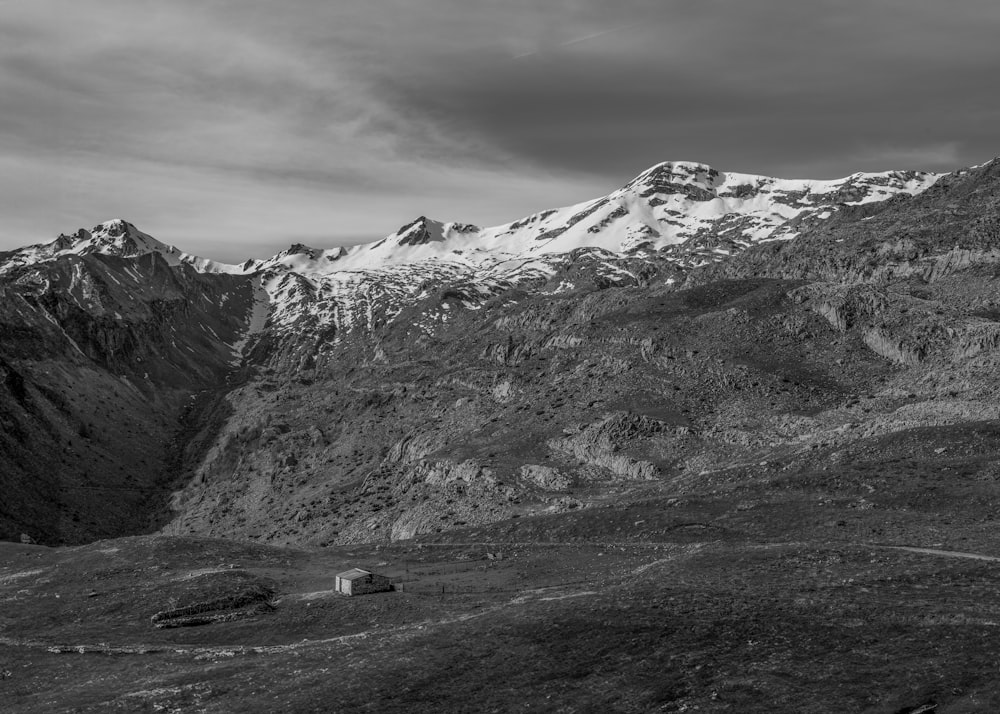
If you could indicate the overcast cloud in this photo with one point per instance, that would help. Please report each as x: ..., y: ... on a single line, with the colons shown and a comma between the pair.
x: 234, y: 127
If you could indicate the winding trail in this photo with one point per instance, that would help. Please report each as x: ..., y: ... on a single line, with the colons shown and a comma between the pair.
x: 941, y: 553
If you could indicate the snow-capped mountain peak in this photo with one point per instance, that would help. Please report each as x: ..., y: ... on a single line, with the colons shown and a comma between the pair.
x: 669, y: 175
x: 116, y: 237
x: 420, y: 232
x: 425, y: 230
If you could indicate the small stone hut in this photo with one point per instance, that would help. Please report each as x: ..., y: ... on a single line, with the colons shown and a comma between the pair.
x: 361, y: 582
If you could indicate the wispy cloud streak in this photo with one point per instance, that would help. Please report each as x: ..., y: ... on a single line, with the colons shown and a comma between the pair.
x: 578, y: 40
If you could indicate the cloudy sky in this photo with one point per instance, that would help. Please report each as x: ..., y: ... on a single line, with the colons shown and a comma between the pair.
x: 232, y: 128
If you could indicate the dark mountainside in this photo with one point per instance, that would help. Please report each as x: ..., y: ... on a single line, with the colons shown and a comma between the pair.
x: 702, y: 481
x: 107, y: 365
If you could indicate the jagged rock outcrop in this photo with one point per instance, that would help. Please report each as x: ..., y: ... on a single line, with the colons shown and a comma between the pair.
x: 601, y: 444
x: 546, y: 478
x: 893, y: 348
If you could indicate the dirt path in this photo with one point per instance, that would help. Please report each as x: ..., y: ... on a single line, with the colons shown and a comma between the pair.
x: 941, y: 553
x: 500, y: 545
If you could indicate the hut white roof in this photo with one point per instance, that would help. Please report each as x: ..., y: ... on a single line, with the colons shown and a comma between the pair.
x: 353, y: 574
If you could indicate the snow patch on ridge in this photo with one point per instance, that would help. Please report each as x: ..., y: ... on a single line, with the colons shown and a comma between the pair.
x: 260, y: 310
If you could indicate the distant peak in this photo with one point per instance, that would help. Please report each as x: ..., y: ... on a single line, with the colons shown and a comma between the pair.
x: 115, y: 227
x: 420, y: 222
x: 421, y: 231
x: 685, y: 177
x: 115, y: 237
x: 114, y: 232
x: 680, y: 168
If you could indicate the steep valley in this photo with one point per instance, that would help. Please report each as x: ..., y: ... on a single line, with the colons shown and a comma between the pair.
x: 103, y: 360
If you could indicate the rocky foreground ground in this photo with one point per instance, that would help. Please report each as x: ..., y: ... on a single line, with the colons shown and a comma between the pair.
x: 778, y: 597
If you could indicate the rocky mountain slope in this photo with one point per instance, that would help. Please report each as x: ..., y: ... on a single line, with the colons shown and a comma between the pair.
x: 952, y: 226
x: 101, y: 359
x: 693, y: 330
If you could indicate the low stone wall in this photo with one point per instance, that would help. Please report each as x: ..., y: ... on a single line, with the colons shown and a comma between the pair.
x: 245, y: 603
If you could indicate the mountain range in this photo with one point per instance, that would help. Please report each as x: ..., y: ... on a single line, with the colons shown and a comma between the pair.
x: 339, y: 395
x: 682, y: 214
